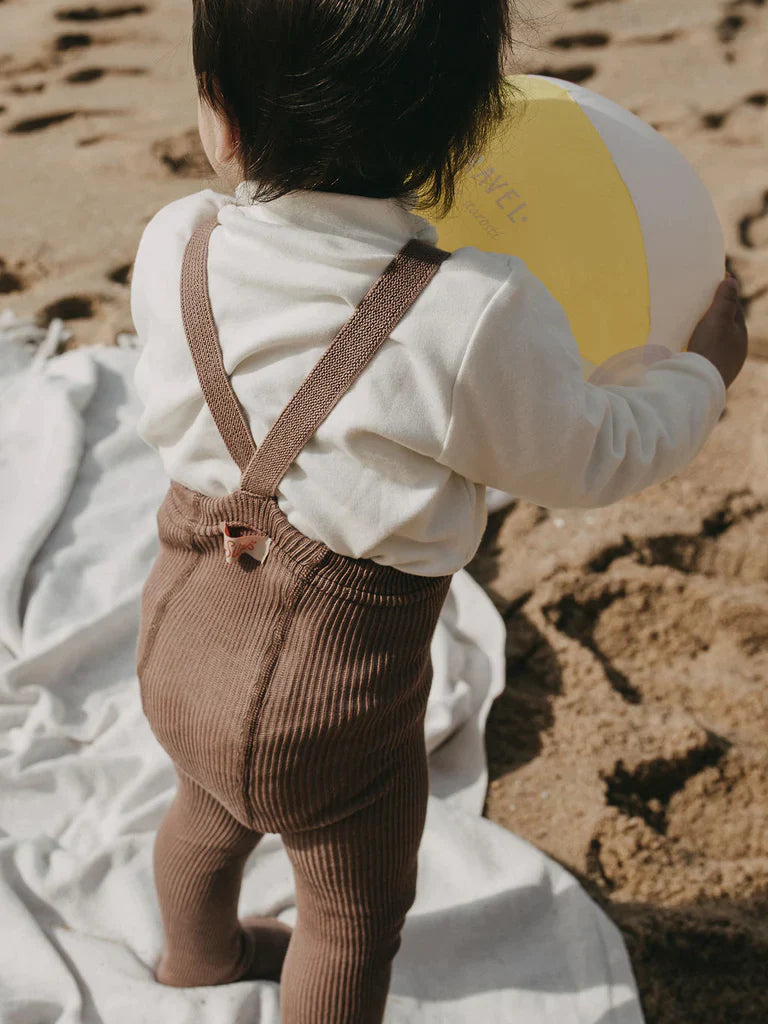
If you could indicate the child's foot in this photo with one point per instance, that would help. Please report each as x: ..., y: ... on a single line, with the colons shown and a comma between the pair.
x: 264, y: 945
x: 268, y: 941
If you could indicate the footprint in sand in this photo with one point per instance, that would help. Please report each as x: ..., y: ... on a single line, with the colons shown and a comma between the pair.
x: 72, y: 307
x: 582, y: 5
x: 714, y: 121
x: 607, y: 614
x: 9, y: 70
x: 95, y: 13
x: 584, y: 39
x: 753, y: 228
x: 720, y: 545
x: 576, y: 74
x: 86, y: 75
x: 36, y: 124
x: 22, y: 90
x: 10, y: 280
x: 717, y: 119
x: 94, y: 74
x: 72, y: 41
x: 650, y: 624
x: 664, y: 37
x: 579, y: 617
x: 121, y: 274
x: 729, y: 27
x: 183, y: 155
x: 645, y: 790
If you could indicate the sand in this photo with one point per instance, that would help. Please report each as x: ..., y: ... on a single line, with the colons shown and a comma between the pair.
x: 631, y: 742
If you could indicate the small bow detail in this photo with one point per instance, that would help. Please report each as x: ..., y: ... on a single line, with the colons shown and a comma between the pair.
x: 254, y: 544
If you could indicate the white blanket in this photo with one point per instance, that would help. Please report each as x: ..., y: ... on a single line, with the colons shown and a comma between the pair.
x: 498, y: 932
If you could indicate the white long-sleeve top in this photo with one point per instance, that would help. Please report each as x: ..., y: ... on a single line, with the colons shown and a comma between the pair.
x: 480, y: 383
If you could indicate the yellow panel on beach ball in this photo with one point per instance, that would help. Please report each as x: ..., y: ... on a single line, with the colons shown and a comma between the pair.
x: 549, y: 192
x: 606, y: 212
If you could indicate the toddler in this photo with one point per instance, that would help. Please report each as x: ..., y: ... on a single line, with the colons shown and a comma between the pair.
x: 331, y: 394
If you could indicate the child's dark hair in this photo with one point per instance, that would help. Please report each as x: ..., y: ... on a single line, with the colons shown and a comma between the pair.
x: 382, y: 98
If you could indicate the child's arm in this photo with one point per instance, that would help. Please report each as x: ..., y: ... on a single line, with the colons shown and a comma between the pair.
x: 524, y: 421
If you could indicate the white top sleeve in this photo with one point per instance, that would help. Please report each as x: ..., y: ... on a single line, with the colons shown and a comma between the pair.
x: 523, y: 419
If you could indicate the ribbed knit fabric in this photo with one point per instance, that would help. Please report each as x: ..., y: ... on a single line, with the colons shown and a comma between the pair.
x: 290, y: 690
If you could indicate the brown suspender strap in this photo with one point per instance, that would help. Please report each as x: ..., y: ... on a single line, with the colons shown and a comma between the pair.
x: 379, y: 312
x: 203, y: 339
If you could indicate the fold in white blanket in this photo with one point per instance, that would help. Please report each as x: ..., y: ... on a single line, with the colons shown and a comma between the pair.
x: 498, y: 934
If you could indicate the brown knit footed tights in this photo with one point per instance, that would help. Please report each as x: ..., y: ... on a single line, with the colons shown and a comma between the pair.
x: 288, y: 683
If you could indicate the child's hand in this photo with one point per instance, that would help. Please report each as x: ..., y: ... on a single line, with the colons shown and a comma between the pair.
x: 721, y: 334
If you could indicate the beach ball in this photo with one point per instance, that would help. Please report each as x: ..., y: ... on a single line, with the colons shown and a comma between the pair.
x: 606, y: 212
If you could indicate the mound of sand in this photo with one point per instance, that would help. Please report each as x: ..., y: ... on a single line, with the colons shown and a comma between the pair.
x: 631, y: 742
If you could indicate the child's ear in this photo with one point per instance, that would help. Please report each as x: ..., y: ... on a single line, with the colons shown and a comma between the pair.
x: 227, y: 137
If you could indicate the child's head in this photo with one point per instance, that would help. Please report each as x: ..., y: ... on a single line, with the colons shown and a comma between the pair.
x: 382, y: 98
